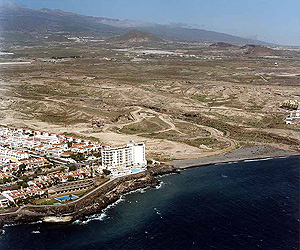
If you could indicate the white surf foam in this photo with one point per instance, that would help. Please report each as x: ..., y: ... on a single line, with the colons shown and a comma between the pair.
x: 102, y: 216
x: 157, y: 211
x: 36, y: 222
x: 161, y: 183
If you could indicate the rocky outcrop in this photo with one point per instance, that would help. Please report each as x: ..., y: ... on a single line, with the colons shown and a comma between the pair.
x: 222, y: 45
x: 253, y: 50
x: 135, y: 36
x: 94, y: 202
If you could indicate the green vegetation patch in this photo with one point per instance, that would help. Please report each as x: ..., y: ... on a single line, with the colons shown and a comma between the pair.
x: 201, y: 98
x: 171, y: 135
x: 240, y: 133
x: 201, y: 141
x: 145, y: 126
x: 191, y: 129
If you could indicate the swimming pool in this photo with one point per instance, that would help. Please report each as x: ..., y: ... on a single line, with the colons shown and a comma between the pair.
x: 135, y: 170
x: 66, y: 198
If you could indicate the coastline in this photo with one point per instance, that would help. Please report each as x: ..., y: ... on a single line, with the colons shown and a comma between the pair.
x: 209, y: 197
x: 254, y: 153
x: 91, y: 203
x: 110, y: 191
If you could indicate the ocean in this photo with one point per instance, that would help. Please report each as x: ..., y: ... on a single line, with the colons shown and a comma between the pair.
x: 246, y: 205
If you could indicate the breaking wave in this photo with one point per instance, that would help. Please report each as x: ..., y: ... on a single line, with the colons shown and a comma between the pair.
x: 102, y: 215
x: 161, y: 183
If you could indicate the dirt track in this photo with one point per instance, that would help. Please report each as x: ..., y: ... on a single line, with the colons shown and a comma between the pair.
x: 155, y: 147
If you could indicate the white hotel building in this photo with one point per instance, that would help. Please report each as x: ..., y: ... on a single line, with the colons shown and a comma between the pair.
x: 123, y: 159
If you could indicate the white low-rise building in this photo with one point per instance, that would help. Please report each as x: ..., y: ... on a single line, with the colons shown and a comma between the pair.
x: 293, y: 118
x: 3, y: 201
x: 6, y: 152
x: 13, y: 140
x: 22, y: 193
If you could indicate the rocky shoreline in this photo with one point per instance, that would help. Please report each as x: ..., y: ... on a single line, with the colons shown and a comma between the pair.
x: 93, y: 202
x: 112, y: 190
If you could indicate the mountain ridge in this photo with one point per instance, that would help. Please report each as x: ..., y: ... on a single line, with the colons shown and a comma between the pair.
x: 14, y: 18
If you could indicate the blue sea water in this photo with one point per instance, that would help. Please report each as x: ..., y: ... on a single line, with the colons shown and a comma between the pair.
x: 248, y: 205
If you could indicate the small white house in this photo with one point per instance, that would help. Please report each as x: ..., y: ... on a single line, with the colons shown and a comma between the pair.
x: 3, y: 201
x: 293, y: 118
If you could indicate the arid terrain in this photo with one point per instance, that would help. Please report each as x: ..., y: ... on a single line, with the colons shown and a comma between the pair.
x: 184, y: 100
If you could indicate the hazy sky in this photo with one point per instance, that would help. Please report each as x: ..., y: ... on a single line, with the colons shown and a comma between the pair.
x: 276, y: 21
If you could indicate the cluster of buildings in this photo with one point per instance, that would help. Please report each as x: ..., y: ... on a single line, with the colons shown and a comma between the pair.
x: 34, y: 163
x: 293, y: 118
x: 73, y: 186
x: 9, y: 154
x: 4, y: 175
x: 20, y: 194
x: 9, y: 166
x: 43, y: 181
x: 24, y: 150
x: 45, y: 143
x: 294, y: 115
x: 290, y: 104
x: 51, y: 183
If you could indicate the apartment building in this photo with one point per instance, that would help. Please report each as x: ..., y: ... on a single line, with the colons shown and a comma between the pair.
x: 125, y: 157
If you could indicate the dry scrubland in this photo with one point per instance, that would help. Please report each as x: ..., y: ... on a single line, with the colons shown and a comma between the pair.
x: 182, y: 107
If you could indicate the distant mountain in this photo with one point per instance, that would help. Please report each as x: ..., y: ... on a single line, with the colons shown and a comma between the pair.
x: 14, y: 18
x: 29, y: 25
x: 194, y: 35
x: 135, y: 36
x: 258, y: 50
x: 119, y: 23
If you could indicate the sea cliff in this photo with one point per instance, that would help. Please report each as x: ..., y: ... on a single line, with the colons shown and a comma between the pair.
x: 92, y: 203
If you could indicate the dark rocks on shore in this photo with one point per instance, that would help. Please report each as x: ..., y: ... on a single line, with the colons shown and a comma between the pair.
x: 1, y: 226
x: 94, y: 202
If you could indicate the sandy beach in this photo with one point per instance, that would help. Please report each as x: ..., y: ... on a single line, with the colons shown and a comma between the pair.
x: 240, y: 154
